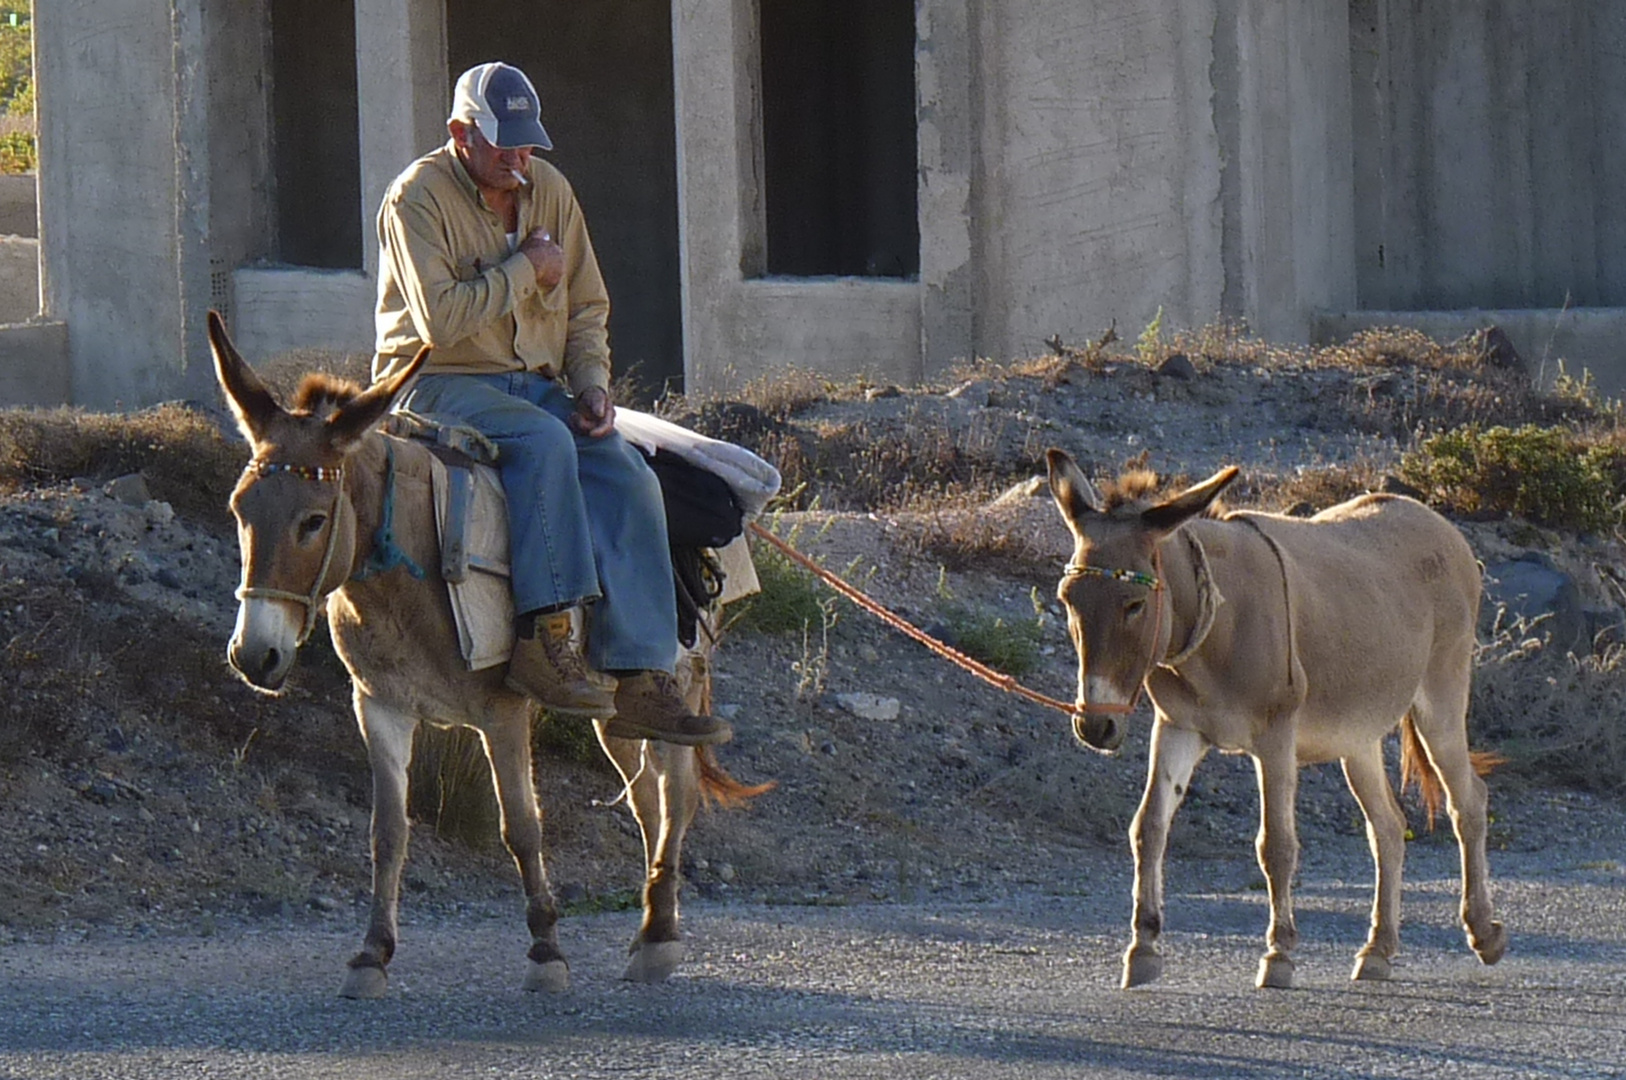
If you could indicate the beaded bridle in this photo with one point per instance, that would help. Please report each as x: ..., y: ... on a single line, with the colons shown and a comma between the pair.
x: 1152, y: 582
x: 1209, y: 600
x: 311, y: 600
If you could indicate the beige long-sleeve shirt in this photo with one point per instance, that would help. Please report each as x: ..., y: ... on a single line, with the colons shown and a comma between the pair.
x: 446, y: 278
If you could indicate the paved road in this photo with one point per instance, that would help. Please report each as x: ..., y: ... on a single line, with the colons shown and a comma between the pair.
x: 1019, y: 988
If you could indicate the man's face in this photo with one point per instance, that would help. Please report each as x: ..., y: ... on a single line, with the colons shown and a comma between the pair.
x: 489, y: 166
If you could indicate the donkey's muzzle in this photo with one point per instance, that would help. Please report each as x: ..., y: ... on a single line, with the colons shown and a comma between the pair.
x: 264, y: 669
x: 1100, y: 731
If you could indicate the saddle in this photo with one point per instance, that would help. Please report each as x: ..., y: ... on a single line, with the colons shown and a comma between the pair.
x: 471, y: 518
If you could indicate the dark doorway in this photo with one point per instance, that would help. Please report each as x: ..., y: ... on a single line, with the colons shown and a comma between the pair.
x: 315, y: 132
x: 838, y: 132
x: 604, y: 72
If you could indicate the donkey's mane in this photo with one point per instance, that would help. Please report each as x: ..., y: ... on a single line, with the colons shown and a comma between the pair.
x: 320, y: 393
x: 1136, y: 487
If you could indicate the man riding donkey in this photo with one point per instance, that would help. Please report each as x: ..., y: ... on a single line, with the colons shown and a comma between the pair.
x: 484, y: 256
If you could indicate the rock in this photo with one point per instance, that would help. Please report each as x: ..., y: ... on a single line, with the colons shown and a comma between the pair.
x: 867, y: 706
x: 974, y: 392
x: 876, y: 393
x: 1496, y: 350
x: 1178, y: 366
x: 1393, y: 485
x: 1531, y: 588
x: 159, y: 513
x: 1033, y: 487
x: 130, y: 489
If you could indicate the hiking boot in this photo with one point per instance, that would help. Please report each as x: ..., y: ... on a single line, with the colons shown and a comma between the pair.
x: 546, y: 667
x: 649, y: 706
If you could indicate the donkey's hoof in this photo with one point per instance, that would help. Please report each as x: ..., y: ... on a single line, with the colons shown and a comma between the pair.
x: 654, y: 962
x: 1370, y: 967
x: 1275, y: 972
x: 1142, y: 965
x: 1489, y: 948
x: 365, y: 984
x: 552, y: 977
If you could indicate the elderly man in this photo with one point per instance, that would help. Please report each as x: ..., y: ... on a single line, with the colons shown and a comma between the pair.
x: 484, y: 255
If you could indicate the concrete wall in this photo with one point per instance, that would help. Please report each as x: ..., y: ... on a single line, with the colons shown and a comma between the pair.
x: 279, y: 309
x: 1490, y: 142
x: 19, y: 279
x: 34, y: 364
x: 19, y: 206
x: 1101, y: 169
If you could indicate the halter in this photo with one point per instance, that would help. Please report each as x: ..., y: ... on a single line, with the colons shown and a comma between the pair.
x: 1209, y: 600
x: 1153, y: 582
x: 327, y: 474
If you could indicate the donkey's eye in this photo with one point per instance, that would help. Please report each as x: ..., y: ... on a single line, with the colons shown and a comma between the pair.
x: 1134, y: 608
x: 311, y: 526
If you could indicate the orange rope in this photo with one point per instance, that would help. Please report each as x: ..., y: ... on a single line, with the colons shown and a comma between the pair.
x: 897, y: 622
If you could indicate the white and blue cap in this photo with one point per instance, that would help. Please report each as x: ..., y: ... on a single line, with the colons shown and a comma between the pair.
x: 498, y: 99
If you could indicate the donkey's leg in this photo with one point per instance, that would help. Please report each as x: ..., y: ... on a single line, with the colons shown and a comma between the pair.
x: 664, y: 792
x: 1175, y: 753
x: 1386, y: 833
x: 1278, y: 849
x: 388, y: 733
x: 508, y: 746
x: 1441, y: 718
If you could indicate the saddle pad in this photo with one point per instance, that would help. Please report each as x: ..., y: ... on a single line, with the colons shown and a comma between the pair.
x: 471, y: 518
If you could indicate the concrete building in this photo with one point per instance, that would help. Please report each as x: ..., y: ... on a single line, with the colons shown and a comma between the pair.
x: 876, y: 186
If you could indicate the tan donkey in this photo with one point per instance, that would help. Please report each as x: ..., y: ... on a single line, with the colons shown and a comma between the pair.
x: 309, y: 508
x: 1294, y: 641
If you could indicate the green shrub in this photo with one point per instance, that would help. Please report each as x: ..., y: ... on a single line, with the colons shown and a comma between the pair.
x: 791, y: 599
x: 1550, y: 476
x: 17, y: 152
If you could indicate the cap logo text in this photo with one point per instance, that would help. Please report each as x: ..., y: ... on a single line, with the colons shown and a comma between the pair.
x: 515, y: 104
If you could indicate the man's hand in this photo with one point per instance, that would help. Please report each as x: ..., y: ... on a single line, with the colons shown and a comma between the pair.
x: 547, y: 257
x: 594, y: 415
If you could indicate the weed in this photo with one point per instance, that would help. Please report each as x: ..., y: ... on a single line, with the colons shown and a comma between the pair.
x: 604, y: 902
x: 569, y: 739
x: 1550, y: 476
x: 1149, y: 346
x: 791, y: 599
x: 1008, y: 646
x: 449, y: 786
x: 1555, y: 718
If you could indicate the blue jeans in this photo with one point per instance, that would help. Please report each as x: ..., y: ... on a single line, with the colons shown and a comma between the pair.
x: 585, y: 516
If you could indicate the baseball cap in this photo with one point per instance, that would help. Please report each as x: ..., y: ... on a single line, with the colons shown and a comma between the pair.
x: 499, y: 100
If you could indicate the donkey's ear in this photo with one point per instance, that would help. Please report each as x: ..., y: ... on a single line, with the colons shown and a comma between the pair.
x: 1168, y: 516
x: 1075, y: 496
x: 251, y: 403
x: 358, y: 415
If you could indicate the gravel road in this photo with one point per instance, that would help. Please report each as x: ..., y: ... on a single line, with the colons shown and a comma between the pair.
x: 1013, y: 987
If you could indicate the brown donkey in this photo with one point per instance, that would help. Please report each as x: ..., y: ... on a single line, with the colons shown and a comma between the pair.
x: 1294, y: 641
x: 308, y: 507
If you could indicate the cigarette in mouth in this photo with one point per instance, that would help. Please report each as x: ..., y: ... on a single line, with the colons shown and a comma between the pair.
x: 521, y: 177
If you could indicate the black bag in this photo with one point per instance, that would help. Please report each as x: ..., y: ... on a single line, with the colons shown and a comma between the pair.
x: 702, y: 511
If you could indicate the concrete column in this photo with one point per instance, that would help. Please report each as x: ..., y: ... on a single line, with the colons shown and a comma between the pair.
x: 944, y: 72
x: 1293, y: 164
x: 403, y: 93
x: 110, y: 255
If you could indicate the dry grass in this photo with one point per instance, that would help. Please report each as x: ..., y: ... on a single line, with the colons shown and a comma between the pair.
x: 186, y: 460
x: 1556, y: 718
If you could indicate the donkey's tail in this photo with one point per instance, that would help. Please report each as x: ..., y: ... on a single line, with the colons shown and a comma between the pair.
x: 717, y: 786
x: 1416, y: 768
